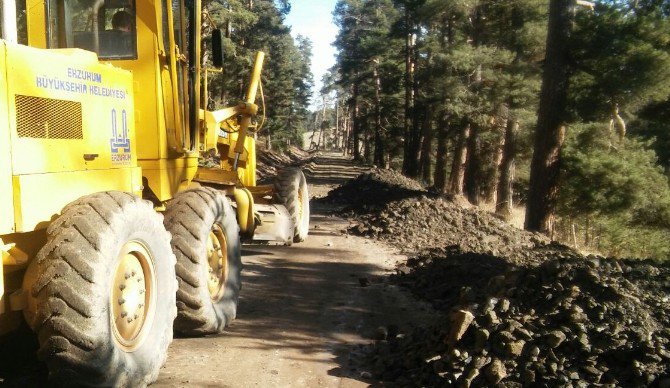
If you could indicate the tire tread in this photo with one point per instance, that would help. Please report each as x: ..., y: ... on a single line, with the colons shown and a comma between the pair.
x: 66, y: 319
x: 189, y: 217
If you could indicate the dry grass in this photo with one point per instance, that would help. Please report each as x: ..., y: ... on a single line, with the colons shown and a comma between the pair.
x: 518, y: 218
x: 518, y: 214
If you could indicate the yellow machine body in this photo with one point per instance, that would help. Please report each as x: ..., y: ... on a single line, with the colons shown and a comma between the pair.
x: 67, y: 130
x: 112, y: 114
x: 169, y: 144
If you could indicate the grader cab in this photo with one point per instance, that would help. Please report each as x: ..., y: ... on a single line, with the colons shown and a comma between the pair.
x: 111, y: 233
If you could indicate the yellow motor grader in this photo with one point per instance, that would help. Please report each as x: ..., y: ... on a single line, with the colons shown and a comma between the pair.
x: 109, y: 226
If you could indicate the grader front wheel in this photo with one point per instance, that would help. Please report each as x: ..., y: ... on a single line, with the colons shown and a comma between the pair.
x: 291, y: 189
x: 206, y: 241
x: 133, y: 295
x: 104, y: 293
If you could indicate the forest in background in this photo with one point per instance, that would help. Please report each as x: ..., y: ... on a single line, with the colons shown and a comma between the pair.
x: 453, y: 92
x: 449, y: 93
x: 250, y: 26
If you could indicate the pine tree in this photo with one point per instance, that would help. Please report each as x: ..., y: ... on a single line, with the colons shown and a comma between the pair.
x: 550, y: 131
x: 474, y: 96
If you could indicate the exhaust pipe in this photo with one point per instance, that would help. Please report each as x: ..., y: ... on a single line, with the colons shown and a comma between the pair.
x: 9, y: 31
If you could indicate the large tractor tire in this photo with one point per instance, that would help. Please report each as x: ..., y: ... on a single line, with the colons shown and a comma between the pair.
x: 291, y: 189
x: 206, y: 241
x: 103, y: 293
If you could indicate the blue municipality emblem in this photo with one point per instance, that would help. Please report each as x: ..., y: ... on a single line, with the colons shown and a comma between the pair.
x: 120, y: 141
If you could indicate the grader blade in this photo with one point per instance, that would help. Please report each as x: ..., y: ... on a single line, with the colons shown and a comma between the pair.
x: 274, y: 224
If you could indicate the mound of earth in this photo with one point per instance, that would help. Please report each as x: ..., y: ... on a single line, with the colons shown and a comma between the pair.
x: 373, y: 189
x: 569, y: 321
x: 386, y: 205
x: 521, y: 310
x: 423, y: 222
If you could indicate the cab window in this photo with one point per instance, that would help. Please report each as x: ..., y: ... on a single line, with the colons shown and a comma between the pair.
x: 106, y: 27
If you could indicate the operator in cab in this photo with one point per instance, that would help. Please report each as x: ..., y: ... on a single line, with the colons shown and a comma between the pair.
x: 122, y: 21
x: 119, y: 41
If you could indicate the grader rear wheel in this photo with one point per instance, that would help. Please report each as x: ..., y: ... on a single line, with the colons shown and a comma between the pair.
x: 206, y: 241
x: 104, y: 293
x: 291, y: 189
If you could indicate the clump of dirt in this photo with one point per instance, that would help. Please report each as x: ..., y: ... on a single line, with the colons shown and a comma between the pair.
x: 372, y: 190
x: 569, y: 321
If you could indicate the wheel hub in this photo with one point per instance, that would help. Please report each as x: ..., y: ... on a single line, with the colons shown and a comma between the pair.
x: 217, y: 254
x: 132, y: 294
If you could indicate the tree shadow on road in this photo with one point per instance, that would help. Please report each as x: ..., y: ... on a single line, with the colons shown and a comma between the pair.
x: 305, y: 306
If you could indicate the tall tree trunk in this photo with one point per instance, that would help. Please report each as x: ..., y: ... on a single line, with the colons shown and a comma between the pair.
x: 336, y: 133
x: 380, y: 151
x: 492, y: 185
x: 440, y: 177
x: 322, y: 141
x: 471, y: 186
x: 409, y: 161
x: 414, y: 144
x: 315, y: 129
x: 419, y: 112
x: 356, y: 123
x: 427, y: 146
x: 473, y: 167
x: 349, y: 140
x: 457, y: 176
x: 367, y: 144
x: 550, y: 130
x: 345, y: 132
x: 380, y: 154
x: 504, y: 201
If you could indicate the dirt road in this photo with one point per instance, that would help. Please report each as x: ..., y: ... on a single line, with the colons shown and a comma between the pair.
x: 302, y: 311
x: 302, y: 308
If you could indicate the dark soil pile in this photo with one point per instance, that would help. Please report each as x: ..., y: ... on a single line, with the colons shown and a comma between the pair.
x: 520, y: 310
x: 267, y: 162
x: 388, y: 206
x: 571, y: 321
x: 423, y: 222
x: 372, y: 190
